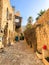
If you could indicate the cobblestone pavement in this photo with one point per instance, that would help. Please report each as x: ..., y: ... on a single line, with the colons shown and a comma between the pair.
x: 19, y: 54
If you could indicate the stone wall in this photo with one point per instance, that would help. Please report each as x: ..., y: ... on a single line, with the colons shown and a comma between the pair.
x: 18, y: 28
x: 30, y: 36
x: 42, y: 34
x: 6, y: 5
x: 42, y: 31
x: 0, y: 12
x: 7, y: 17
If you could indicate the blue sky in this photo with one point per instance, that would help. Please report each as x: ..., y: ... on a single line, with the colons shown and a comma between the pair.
x: 29, y: 8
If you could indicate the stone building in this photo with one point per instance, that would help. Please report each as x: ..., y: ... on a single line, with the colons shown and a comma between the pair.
x: 42, y: 31
x: 6, y: 21
x: 18, y: 21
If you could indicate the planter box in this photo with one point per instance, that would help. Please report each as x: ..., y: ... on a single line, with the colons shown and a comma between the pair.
x: 39, y: 55
x: 45, y: 62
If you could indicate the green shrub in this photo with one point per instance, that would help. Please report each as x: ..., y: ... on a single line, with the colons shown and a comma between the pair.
x: 22, y: 37
x: 30, y: 36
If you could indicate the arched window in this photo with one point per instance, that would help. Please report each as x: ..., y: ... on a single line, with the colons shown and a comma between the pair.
x: 7, y: 15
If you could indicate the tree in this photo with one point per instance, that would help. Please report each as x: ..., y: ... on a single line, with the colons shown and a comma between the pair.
x: 30, y: 19
x: 28, y: 29
x: 29, y: 24
x: 40, y: 14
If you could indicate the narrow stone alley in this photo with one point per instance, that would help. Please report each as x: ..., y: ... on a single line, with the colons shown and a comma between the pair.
x: 19, y: 54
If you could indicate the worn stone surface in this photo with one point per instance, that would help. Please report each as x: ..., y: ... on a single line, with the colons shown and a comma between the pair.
x: 43, y: 31
x: 19, y: 54
x: 0, y: 12
x: 6, y: 21
x: 42, y: 34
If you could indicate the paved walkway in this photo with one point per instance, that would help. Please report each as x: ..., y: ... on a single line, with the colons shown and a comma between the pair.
x: 19, y: 54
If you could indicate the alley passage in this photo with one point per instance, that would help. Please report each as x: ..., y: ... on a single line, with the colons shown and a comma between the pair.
x: 19, y: 54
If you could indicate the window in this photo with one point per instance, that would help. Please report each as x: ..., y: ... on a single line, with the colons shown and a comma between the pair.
x: 7, y: 14
x: 16, y: 20
x: 10, y: 16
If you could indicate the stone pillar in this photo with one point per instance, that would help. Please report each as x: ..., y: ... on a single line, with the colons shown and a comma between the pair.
x: 12, y: 38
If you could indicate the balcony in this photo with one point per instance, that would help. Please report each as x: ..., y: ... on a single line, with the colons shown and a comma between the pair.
x: 17, y: 25
x: 18, y: 22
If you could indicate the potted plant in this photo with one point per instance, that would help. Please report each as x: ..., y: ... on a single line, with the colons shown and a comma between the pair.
x: 44, y: 47
x: 16, y: 38
x: 22, y: 36
x: 45, y: 51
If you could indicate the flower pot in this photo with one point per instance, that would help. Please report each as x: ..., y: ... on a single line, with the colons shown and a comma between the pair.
x: 16, y: 38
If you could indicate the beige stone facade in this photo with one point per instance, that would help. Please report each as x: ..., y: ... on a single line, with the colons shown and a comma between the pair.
x: 42, y: 34
x: 18, y: 21
x: 42, y: 31
x: 0, y: 12
x: 6, y: 20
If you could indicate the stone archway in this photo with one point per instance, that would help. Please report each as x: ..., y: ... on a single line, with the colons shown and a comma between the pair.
x: 5, y: 35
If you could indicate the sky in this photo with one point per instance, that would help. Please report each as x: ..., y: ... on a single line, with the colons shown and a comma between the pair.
x: 29, y: 8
